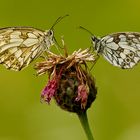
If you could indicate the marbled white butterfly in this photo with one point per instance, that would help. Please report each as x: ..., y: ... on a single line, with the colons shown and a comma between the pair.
x: 19, y: 46
x: 120, y: 49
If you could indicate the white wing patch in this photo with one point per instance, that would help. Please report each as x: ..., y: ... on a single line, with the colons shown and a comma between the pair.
x: 121, y: 49
x: 19, y: 46
x: 30, y: 41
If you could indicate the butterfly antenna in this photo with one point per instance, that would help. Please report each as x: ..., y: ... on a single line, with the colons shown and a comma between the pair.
x: 52, y: 28
x: 58, y: 20
x: 80, y: 27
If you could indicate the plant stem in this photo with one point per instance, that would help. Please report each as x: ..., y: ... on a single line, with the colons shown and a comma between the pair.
x: 84, y: 121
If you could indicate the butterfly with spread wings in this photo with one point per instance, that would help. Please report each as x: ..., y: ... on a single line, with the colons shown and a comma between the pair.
x: 120, y: 49
x: 19, y: 46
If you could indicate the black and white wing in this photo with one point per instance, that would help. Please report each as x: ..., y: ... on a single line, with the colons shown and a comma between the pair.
x: 121, y: 49
x: 19, y: 46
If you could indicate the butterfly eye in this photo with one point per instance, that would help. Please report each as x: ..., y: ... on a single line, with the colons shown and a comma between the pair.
x: 50, y: 33
x: 93, y: 38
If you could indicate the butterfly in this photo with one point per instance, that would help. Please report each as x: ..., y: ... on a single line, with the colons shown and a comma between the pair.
x: 121, y: 49
x: 19, y: 46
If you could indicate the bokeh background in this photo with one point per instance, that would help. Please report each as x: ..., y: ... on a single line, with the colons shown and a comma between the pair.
x: 115, y: 115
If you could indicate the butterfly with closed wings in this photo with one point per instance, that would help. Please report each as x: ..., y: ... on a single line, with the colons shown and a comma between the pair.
x: 19, y: 46
x: 120, y: 49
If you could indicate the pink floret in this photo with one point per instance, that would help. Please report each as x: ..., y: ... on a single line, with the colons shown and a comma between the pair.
x: 82, y: 95
x: 49, y: 91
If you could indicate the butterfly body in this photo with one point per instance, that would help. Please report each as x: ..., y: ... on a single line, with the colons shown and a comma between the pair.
x: 19, y: 46
x: 120, y: 49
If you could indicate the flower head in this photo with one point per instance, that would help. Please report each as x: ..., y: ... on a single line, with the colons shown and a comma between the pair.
x: 70, y: 82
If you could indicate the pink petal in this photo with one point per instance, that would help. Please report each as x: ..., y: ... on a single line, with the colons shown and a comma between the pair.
x: 49, y: 91
x: 82, y: 95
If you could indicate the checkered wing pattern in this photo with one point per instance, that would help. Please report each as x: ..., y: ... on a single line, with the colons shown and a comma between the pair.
x: 19, y: 46
x: 121, y: 49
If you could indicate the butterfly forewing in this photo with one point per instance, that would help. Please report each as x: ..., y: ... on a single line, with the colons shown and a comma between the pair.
x: 19, y: 46
x: 121, y: 49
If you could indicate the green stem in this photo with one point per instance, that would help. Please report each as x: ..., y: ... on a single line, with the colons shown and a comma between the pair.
x: 84, y: 121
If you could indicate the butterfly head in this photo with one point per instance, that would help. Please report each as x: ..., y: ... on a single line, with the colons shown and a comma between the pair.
x: 96, y: 43
x: 49, y: 38
x: 95, y: 40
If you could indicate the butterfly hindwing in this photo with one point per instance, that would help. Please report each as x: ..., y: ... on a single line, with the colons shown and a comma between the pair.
x: 121, y: 49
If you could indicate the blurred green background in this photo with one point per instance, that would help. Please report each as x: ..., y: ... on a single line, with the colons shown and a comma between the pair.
x: 115, y: 115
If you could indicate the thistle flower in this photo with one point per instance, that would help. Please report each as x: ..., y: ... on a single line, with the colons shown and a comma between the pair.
x: 70, y: 82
